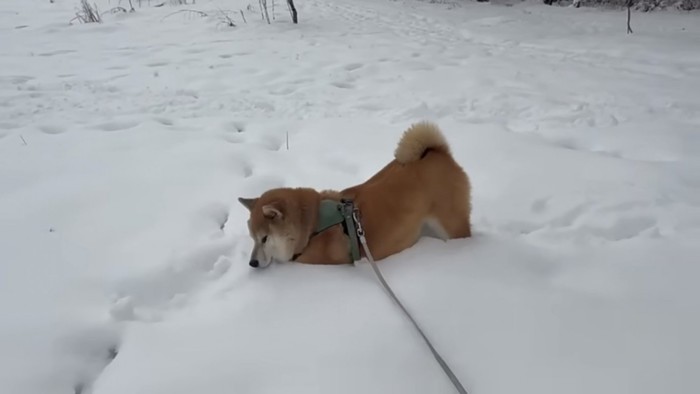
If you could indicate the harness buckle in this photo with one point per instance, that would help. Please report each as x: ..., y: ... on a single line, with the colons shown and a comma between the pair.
x: 350, y: 211
x: 358, y: 223
x: 352, y: 225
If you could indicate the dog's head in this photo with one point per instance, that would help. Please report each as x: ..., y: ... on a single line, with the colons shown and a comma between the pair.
x: 273, y: 227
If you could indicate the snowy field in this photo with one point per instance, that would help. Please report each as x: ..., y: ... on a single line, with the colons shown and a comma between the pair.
x: 124, y: 145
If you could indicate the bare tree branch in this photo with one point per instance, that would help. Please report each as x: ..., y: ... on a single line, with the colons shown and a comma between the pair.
x: 629, y: 16
x: 292, y: 10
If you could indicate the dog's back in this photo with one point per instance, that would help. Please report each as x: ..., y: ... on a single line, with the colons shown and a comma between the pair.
x: 423, y: 185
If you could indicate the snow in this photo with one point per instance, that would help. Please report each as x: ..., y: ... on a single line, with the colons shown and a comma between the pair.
x: 124, y: 145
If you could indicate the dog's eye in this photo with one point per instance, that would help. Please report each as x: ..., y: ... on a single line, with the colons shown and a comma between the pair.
x: 264, y: 239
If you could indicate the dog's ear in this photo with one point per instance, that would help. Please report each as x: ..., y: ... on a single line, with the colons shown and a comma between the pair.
x: 248, y: 202
x: 272, y: 211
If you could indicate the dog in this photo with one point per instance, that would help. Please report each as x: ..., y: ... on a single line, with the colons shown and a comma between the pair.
x: 423, y: 189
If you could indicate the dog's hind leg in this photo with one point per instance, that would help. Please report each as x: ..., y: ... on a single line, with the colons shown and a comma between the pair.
x: 456, y: 224
x: 433, y: 228
x: 455, y: 218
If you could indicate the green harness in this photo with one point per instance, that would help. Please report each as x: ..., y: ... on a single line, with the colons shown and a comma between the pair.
x: 332, y: 213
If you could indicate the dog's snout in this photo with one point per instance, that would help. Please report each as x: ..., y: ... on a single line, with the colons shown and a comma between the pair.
x: 254, y: 263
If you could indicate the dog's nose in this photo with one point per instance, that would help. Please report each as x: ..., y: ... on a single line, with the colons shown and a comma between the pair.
x: 254, y: 263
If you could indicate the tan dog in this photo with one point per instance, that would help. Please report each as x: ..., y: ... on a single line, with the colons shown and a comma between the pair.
x: 422, y: 187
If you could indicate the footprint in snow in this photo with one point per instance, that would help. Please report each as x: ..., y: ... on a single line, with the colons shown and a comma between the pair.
x: 353, y: 66
x: 343, y: 85
x: 283, y: 92
x: 147, y: 296
x: 539, y: 205
x: 57, y: 52
x: 568, y: 218
x: 420, y: 66
x: 624, y: 206
x: 52, y: 129
x: 95, y: 348
x: 242, y: 162
x: 114, y: 78
x: 230, y: 55
x: 247, y: 170
x: 117, y: 125
x: 196, y: 50
x: 370, y: 107
x: 624, y: 228
x: 212, y: 216
x: 567, y: 143
x: 165, y: 121
x: 235, y: 126
x: 233, y: 138
x: 8, y: 126
x: 273, y: 142
x: 301, y: 81
x: 561, y: 221
x: 16, y: 79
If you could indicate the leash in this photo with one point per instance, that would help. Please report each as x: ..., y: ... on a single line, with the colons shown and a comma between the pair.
x: 363, y: 241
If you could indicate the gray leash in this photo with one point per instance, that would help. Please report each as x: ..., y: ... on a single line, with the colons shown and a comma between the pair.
x: 361, y: 235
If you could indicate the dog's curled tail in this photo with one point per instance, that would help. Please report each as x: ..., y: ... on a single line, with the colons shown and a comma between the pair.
x: 418, y: 140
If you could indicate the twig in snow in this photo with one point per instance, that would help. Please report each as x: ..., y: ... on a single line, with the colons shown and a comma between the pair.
x: 629, y: 16
x: 112, y: 353
x: 195, y: 12
x: 287, y: 140
x: 263, y: 6
x: 87, y: 13
x: 117, y: 9
x: 292, y: 10
x: 23, y: 140
x: 226, y: 19
x: 223, y: 223
x: 243, y: 16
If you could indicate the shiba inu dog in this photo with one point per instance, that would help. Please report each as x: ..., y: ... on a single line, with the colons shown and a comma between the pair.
x: 422, y: 188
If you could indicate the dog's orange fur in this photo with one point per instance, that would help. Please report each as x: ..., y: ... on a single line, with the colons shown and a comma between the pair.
x: 423, y: 184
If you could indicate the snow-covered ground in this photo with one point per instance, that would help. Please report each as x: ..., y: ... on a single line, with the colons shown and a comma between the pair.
x: 124, y: 145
